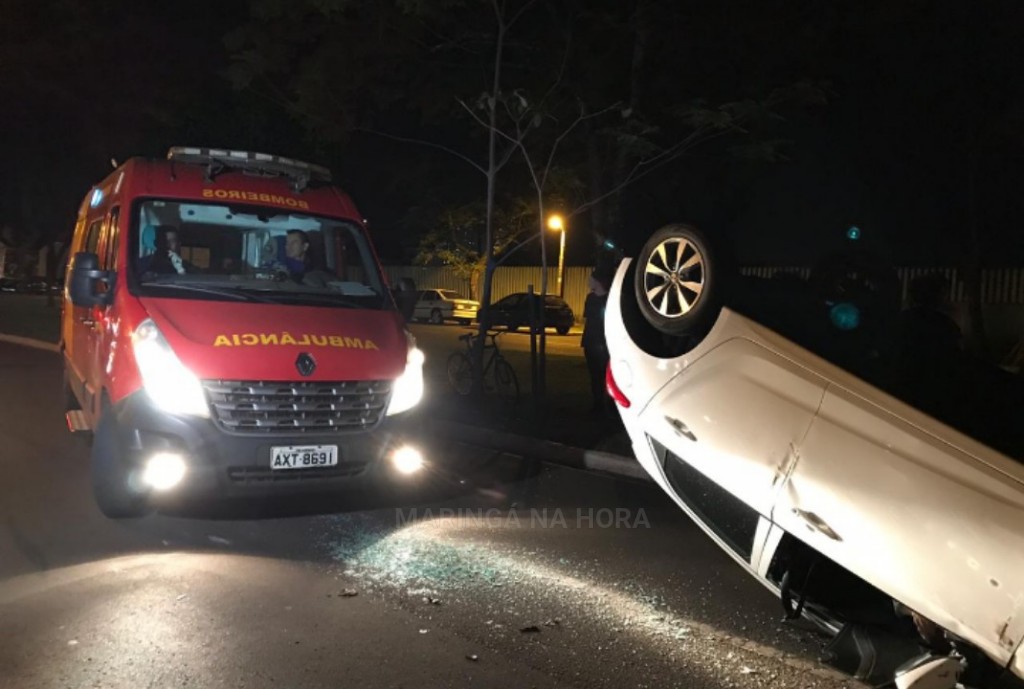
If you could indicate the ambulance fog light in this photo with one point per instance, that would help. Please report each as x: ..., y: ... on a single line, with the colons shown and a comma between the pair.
x: 164, y: 471
x: 407, y: 460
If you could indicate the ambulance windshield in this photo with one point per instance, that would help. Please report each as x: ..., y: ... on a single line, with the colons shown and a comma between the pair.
x: 210, y: 251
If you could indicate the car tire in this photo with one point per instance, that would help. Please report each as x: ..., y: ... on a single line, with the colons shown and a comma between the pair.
x: 464, y: 321
x: 562, y: 330
x: 435, y: 317
x: 681, y: 280
x: 113, y: 480
x: 513, y: 327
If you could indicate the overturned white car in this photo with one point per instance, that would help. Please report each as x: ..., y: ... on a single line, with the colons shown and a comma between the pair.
x: 837, y: 449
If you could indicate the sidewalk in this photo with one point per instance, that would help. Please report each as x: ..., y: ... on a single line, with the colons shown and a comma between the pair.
x: 562, y: 432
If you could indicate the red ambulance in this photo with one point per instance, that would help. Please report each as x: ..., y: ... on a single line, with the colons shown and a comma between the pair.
x: 227, y: 331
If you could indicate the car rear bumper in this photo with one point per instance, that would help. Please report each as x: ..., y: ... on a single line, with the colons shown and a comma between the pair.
x: 467, y: 314
x: 224, y: 465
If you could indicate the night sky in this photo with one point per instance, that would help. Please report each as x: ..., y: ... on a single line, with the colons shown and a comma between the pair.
x: 906, y: 120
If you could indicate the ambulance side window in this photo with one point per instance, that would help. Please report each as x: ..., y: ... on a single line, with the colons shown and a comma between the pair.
x: 109, y: 259
x: 92, y: 237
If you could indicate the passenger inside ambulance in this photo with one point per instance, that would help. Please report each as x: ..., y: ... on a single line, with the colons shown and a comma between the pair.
x: 166, y: 254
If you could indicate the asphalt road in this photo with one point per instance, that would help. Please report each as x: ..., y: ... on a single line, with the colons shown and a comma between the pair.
x: 494, y: 572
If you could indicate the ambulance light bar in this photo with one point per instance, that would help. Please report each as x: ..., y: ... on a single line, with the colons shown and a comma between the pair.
x: 254, y: 162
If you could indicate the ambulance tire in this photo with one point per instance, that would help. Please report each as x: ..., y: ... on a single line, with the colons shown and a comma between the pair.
x: 113, y: 487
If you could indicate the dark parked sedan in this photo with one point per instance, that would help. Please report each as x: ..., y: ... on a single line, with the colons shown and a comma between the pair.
x: 513, y: 311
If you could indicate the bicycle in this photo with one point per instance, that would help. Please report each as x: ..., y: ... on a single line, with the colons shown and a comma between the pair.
x: 502, y: 375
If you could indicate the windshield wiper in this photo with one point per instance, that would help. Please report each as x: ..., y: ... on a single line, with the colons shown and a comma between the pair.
x: 238, y: 295
x: 332, y: 299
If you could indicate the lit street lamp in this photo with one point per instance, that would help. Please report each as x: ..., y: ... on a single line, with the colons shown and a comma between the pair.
x: 555, y: 223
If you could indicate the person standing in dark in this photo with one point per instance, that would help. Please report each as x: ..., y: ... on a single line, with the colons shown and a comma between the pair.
x: 595, y: 348
x: 406, y: 297
x: 931, y: 366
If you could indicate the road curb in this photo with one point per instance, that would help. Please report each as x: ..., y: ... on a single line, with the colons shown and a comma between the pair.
x: 30, y: 342
x: 526, y: 446
x: 544, y: 450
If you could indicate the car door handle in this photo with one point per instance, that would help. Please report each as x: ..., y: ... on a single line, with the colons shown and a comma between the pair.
x: 681, y: 428
x: 87, y: 321
x: 816, y: 523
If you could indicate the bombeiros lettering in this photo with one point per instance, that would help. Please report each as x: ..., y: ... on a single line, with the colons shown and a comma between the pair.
x: 287, y: 339
x: 239, y: 195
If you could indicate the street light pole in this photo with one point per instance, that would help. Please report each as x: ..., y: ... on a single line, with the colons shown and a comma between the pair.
x: 555, y: 223
x: 561, y: 264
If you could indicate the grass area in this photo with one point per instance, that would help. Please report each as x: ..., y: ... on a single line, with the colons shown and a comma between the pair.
x: 28, y: 315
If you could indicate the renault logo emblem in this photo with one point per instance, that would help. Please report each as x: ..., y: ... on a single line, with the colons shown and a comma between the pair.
x: 305, y: 364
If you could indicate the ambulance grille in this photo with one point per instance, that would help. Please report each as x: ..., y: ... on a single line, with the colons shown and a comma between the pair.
x: 296, y: 407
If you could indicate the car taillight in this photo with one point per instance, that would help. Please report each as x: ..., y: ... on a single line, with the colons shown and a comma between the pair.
x: 613, y: 389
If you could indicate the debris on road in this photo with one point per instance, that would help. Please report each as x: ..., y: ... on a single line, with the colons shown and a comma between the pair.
x: 473, y: 656
x: 424, y: 631
x: 348, y: 593
x: 532, y: 629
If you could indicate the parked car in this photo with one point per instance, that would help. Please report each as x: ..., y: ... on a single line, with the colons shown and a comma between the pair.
x: 440, y: 305
x: 783, y: 416
x: 31, y: 286
x: 513, y: 312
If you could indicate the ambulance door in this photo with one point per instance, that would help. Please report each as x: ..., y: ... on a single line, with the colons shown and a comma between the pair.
x: 103, y: 317
x: 81, y: 354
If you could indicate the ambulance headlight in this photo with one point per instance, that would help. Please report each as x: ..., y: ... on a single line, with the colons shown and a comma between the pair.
x: 408, y: 388
x: 170, y: 386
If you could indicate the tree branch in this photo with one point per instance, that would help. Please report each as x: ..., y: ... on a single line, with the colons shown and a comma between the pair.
x: 645, y: 167
x: 554, y: 147
x: 518, y: 14
x: 561, y: 69
x: 472, y: 114
x: 429, y: 144
x: 485, y: 125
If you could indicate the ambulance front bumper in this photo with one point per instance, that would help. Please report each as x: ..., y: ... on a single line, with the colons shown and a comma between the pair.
x: 225, y: 464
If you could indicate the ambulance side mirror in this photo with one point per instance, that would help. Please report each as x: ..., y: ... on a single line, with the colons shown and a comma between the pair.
x: 86, y: 276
